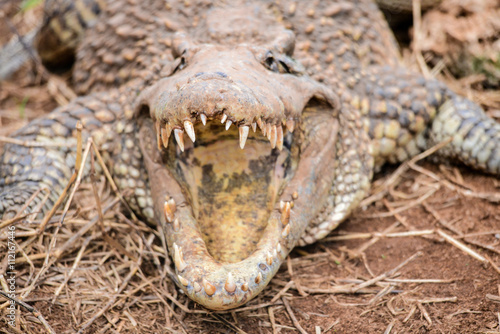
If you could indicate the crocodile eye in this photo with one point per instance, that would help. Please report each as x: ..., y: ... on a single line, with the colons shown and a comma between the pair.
x: 274, y: 64
x: 180, y: 63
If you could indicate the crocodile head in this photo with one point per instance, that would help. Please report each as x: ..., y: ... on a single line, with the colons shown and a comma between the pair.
x: 238, y: 143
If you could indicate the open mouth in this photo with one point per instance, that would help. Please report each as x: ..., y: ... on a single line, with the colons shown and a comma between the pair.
x: 236, y: 170
x: 230, y: 190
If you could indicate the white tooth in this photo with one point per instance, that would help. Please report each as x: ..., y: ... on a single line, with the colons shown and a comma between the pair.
x: 278, y: 248
x: 169, y: 209
x: 172, y: 204
x: 285, y: 213
x: 282, y: 205
x: 254, y: 126
x: 258, y: 279
x: 209, y: 287
x: 269, y: 259
x: 176, y: 225
x: 264, y: 129
x: 183, y: 280
x: 290, y: 124
x: 243, y: 135
x: 273, y: 136
x: 178, y: 134
x: 279, y: 137
x: 228, y: 124
x: 190, y: 130
x: 203, y: 118
x: 286, y: 231
x: 165, y: 135
x: 282, y: 106
x: 178, y: 258
x: 224, y: 117
x: 230, y: 286
x: 259, y: 123
x: 269, y: 130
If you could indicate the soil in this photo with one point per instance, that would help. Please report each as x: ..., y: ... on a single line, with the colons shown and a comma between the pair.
x: 441, y: 289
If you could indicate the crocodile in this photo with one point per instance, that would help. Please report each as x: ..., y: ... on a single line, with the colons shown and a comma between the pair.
x: 241, y: 129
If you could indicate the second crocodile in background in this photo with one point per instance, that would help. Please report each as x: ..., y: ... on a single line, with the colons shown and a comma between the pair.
x: 243, y: 129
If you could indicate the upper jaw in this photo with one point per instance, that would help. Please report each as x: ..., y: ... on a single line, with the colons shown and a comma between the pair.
x: 233, y: 87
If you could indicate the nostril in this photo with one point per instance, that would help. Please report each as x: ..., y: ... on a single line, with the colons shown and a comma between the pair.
x: 208, y: 76
x: 222, y: 74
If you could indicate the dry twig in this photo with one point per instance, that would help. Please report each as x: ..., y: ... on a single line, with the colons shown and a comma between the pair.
x: 292, y: 316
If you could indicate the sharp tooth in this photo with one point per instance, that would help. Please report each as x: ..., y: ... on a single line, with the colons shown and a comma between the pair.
x: 158, y: 134
x: 243, y: 135
x: 259, y: 123
x: 282, y: 205
x: 228, y: 124
x: 169, y: 209
x: 178, y: 258
x: 264, y: 128
x: 269, y: 129
x: 258, y: 278
x: 165, y: 135
x: 183, y: 280
x: 176, y: 225
x: 209, y: 288
x: 286, y: 231
x: 178, y: 134
x: 290, y: 124
x: 203, y: 118
x: 171, y: 202
x: 279, y: 137
x: 273, y: 136
x: 285, y: 213
x: 230, y: 286
x: 190, y: 130
x: 278, y: 248
x: 224, y: 117
x: 244, y: 286
x: 254, y: 126
x: 269, y: 259
x: 197, y: 287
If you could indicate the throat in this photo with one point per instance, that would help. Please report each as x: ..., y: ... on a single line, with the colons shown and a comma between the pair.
x: 232, y: 191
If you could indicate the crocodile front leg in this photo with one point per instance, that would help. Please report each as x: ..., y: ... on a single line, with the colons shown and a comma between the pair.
x: 26, y: 169
x: 475, y: 136
x: 402, y: 114
x: 407, y: 114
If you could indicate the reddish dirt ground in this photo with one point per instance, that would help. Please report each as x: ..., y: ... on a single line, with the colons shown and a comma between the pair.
x: 441, y: 289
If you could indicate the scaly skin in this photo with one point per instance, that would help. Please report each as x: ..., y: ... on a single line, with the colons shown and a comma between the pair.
x: 335, y: 108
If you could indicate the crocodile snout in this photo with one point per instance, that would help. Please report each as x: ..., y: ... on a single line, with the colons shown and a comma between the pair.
x: 234, y: 87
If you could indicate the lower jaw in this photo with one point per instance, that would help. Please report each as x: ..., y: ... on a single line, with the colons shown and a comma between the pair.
x: 221, y: 285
